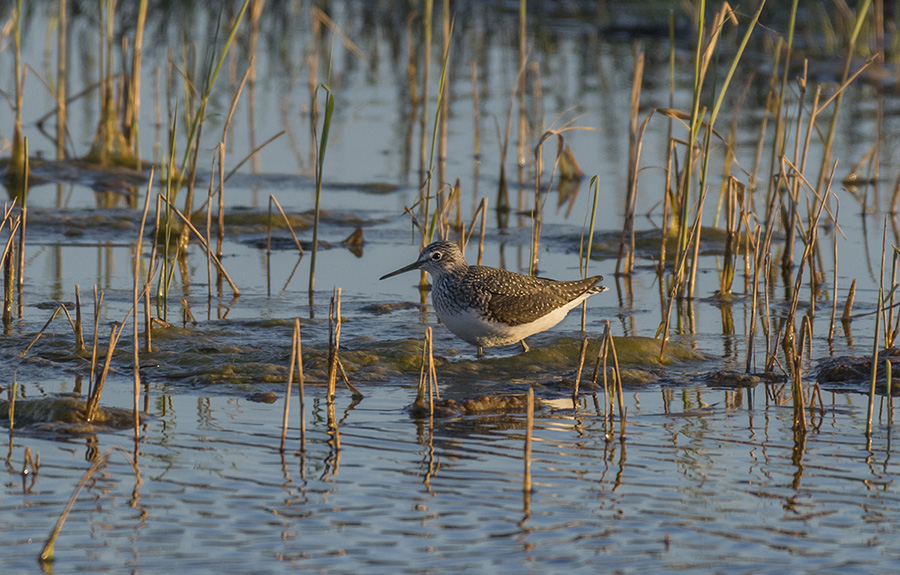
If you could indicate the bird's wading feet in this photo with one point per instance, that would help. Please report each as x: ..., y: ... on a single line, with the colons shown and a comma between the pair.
x: 525, y: 347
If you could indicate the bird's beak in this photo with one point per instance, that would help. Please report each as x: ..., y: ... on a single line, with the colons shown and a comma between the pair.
x: 410, y: 267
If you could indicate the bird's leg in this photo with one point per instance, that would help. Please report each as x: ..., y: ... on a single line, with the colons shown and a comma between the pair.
x: 524, y: 346
x: 480, y: 351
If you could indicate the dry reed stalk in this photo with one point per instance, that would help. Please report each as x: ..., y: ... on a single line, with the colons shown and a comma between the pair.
x: 253, y: 154
x: 61, y: 79
x: 427, y: 375
x: 881, y: 309
x: 17, y: 152
x: 834, y: 285
x: 334, y: 341
x: 456, y: 194
x: 888, y: 374
x: 874, y: 375
x: 759, y: 257
x: 608, y: 400
x: 335, y: 434
x: 581, y: 355
x: 618, y: 382
x: 256, y: 9
x: 47, y: 552
x: 432, y: 378
x: 79, y: 325
x: 476, y: 112
x: 135, y: 297
x: 98, y: 301
x: 41, y: 332
x: 799, y: 403
x: 354, y: 392
x: 23, y: 218
x: 895, y: 196
x: 444, y: 111
x: 522, y: 160
x: 301, y: 381
x: 426, y: 75
x: 482, y: 230
x: 209, y: 198
x: 186, y: 314
x: 32, y: 463
x: 9, y: 273
x: 529, y: 429
x: 626, y: 242
x: 420, y: 388
x: 287, y: 222
x: 203, y: 244
x: 891, y: 334
x: 728, y: 256
x: 467, y: 235
x: 12, y: 391
x: 116, y: 333
x: 133, y: 104
x: 847, y: 314
x: 290, y: 382
x: 97, y: 388
x: 668, y: 200
x: 810, y: 240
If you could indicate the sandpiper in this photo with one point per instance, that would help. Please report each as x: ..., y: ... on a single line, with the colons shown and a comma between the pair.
x: 486, y: 306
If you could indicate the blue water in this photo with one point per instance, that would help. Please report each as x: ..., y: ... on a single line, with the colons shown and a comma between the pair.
x: 705, y: 479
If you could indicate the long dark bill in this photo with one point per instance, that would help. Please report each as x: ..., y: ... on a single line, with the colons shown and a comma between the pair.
x: 410, y: 267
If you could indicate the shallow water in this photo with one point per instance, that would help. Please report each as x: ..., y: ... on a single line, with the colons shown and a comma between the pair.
x: 708, y: 478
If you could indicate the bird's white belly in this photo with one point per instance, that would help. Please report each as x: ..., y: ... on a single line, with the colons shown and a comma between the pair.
x: 475, y: 329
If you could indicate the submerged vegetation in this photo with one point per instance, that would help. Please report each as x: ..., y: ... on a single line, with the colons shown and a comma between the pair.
x: 756, y: 204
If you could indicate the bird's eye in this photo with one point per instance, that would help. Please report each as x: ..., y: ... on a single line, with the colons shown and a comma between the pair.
x: 436, y: 256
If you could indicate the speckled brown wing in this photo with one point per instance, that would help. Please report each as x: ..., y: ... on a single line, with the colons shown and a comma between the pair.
x: 517, y: 299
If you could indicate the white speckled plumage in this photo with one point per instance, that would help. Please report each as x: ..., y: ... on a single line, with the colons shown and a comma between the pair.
x: 487, y: 306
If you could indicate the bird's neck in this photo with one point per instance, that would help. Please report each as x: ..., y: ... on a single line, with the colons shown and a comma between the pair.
x: 451, y: 275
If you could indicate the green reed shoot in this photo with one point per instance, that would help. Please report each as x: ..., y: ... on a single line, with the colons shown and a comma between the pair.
x: 320, y: 164
x: 170, y: 191
x: 584, y: 253
x: 861, y: 13
x: 710, y: 125
x: 429, y: 176
x: 214, y: 66
x: 426, y: 75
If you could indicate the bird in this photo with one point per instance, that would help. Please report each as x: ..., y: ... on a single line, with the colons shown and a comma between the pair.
x: 489, y: 307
